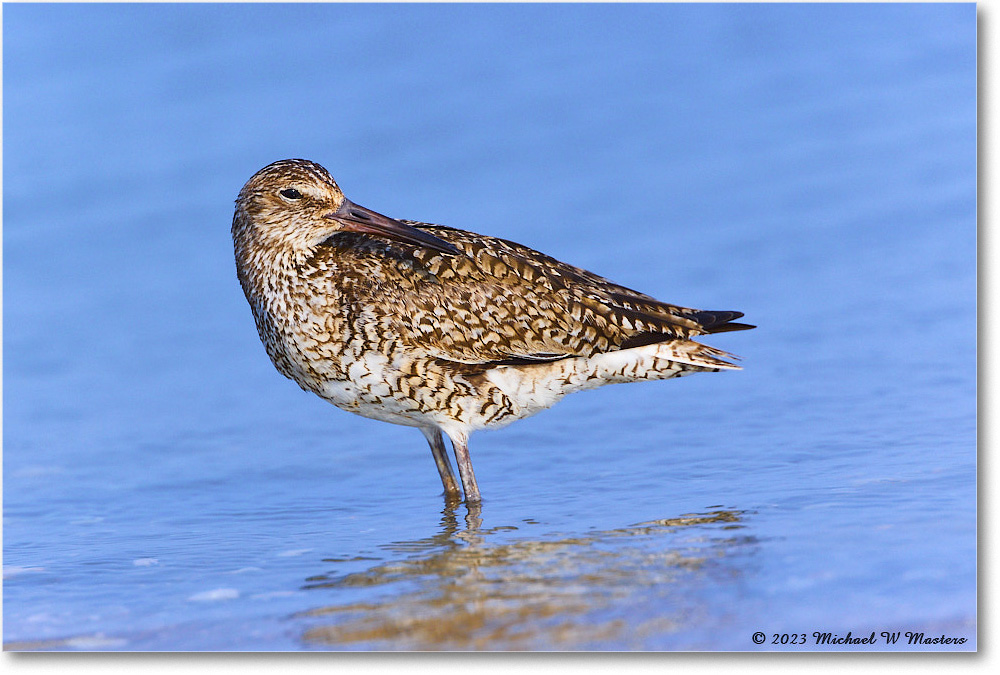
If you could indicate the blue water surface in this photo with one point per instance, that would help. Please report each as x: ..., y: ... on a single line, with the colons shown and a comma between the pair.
x: 811, y: 165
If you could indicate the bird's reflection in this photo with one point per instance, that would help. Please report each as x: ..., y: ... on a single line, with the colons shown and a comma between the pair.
x: 470, y: 587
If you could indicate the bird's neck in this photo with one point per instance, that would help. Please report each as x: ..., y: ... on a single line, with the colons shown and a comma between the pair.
x: 266, y: 272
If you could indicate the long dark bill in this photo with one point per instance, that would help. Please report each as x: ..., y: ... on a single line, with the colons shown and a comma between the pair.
x: 356, y: 218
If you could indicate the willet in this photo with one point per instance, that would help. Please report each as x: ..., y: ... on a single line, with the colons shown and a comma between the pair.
x: 438, y: 328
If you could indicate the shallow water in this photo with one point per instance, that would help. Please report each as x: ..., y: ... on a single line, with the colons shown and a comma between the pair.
x: 813, y: 166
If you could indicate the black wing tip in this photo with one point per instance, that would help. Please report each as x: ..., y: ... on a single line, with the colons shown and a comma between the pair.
x: 727, y: 327
x: 720, y: 321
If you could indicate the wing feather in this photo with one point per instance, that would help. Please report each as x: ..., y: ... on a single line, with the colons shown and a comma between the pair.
x: 506, y: 303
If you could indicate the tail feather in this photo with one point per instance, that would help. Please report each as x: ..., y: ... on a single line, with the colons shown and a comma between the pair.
x: 696, y: 354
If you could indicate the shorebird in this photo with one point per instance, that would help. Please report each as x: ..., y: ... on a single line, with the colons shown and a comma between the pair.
x: 438, y: 328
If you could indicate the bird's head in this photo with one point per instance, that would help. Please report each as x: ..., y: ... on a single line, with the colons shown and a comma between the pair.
x: 296, y: 203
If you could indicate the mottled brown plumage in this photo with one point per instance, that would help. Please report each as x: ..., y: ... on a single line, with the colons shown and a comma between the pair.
x: 438, y: 328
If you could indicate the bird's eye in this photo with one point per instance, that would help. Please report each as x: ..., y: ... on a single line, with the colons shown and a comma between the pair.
x: 291, y: 193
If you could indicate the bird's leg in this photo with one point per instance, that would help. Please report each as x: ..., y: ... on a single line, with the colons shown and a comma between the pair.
x: 461, y: 445
x: 451, y: 490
